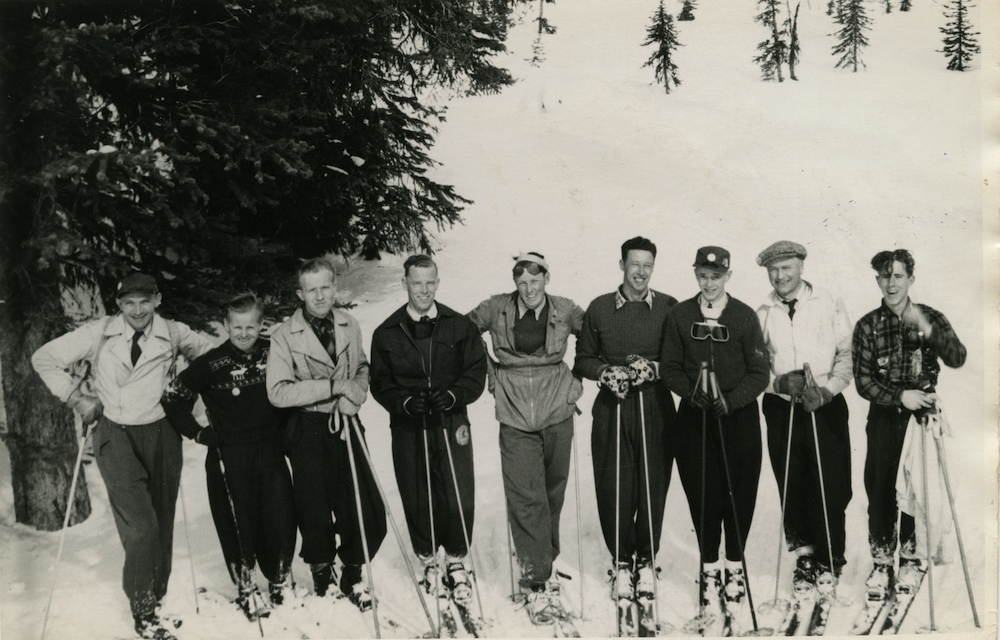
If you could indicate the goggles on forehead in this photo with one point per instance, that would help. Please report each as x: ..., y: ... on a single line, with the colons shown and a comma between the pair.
x: 705, y: 331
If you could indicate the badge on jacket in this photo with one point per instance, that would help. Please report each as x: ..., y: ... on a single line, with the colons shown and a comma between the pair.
x: 462, y: 435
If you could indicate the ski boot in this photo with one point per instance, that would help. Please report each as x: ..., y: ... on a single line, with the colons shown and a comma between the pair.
x: 278, y: 590
x: 149, y: 627
x: 621, y: 581
x: 538, y: 606
x: 353, y: 588
x: 911, y: 574
x: 736, y: 586
x: 458, y: 582
x: 251, y: 603
x: 323, y: 575
x: 880, y: 582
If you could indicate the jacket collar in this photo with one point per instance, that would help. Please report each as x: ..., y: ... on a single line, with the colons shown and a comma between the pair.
x: 806, y: 292
x: 117, y: 326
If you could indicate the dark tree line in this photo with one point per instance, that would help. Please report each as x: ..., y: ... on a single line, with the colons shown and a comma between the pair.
x: 212, y: 144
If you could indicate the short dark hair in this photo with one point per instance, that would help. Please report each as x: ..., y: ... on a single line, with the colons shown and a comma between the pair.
x: 638, y: 243
x: 882, y: 262
x: 531, y: 267
x: 421, y: 260
x: 244, y: 302
x: 315, y: 265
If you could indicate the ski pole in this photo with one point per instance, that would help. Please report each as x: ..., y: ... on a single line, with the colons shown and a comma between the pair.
x: 510, y: 549
x: 579, y: 525
x: 703, y: 383
x: 461, y: 515
x: 62, y: 535
x: 927, y: 518
x: 811, y: 382
x: 618, y: 473
x: 784, y: 501
x: 187, y: 538
x: 732, y: 500
x: 355, y: 423
x: 245, y: 571
x: 361, y: 521
x: 649, y: 509
x: 943, y: 462
x: 430, y: 507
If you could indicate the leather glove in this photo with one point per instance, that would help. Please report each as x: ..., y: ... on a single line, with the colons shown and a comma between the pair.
x: 89, y: 407
x: 418, y: 404
x: 720, y: 408
x: 701, y: 399
x: 792, y: 383
x: 617, y: 379
x: 346, y: 407
x: 816, y: 397
x: 348, y: 389
x: 208, y: 436
x: 640, y: 370
x: 441, y: 401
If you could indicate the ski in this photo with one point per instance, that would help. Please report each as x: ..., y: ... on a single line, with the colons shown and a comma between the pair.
x: 449, y: 626
x: 564, y: 627
x: 710, y: 622
x: 799, y: 616
x: 821, y: 613
x: 730, y: 626
x: 872, y: 611
x: 647, y: 617
x: 628, y: 622
x: 473, y: 624
x: 904, y: 592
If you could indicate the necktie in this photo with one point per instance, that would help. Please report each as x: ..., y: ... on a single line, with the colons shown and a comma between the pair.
x: 791, y: 307
x: 425, y: 319
x: 327, y: 337
x: 136, y: 349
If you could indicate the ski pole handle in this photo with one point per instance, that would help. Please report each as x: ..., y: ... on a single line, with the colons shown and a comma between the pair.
x: 810, y: 380
x: 703, y: 377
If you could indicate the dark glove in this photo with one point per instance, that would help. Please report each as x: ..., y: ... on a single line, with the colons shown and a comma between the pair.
x: 640, y: 370
x: 791, y: 383
x: 441, y: 401
x: 816, y: 397
x: 701, y: 399
x: 418, y: 404
x: 208, y: 436
x: 720, y: 408
x: 89, y: 407
x: 617, y: 379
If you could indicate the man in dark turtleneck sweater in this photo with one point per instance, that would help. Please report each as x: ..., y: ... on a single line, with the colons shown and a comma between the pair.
x: 619, y: 347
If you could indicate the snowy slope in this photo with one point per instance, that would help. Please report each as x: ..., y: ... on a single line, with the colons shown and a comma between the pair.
x: 581, y: 154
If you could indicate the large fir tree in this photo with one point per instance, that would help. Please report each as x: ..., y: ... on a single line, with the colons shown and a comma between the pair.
x: 211, y: 144
x: 959, y: 40
x: 851, y: 37
x: 774, y: 50
x: 661, y: 34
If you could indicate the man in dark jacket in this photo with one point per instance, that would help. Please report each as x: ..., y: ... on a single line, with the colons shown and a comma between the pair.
x: 427, y: 364
x: 247, y: 476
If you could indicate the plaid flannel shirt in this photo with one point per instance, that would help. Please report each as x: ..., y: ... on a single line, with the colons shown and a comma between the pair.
x: 891, y: 356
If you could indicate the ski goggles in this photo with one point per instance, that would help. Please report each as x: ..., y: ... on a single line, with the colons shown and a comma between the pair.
x: 706, y: 331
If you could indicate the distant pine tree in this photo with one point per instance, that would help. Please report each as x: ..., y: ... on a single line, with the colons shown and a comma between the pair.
x: 687, y: 10
x: 661, y: 33
x: 774, y: 50
x: 792, y: 24
x: 904, y: 5
x: 888, y: 6
x: 544, y: 26
x: 851, y: 38
x: 959, y: 39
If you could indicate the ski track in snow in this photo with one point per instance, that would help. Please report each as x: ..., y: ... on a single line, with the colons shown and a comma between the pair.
x: 579, y: 155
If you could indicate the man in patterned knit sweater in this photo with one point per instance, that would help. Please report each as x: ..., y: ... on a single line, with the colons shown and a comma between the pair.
x: 619, y: 347
x: 245, y: 470
x: 716, y: 328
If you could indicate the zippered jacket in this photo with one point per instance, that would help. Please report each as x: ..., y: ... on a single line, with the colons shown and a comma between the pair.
x: 398, y: 370
x: 532, y: 391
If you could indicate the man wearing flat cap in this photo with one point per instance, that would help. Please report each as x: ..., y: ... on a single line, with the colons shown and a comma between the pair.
x: 716, y: 329
x: 806, y: 326
x: 536, y: 398
x: 131, y: 358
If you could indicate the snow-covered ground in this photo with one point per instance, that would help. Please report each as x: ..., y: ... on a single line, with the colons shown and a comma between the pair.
x: 581, y: 154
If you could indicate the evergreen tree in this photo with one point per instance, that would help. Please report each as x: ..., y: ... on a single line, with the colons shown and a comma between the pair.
x: 661, y: 34
x: 888, y: 6
x: 792, y: 24
x: 851, y: 38
x: 959, y: 39
x: 212, y: 144
x: 904, y: 5
x: 687, y: 10
x: 543, y: 24
x: 774, y: 50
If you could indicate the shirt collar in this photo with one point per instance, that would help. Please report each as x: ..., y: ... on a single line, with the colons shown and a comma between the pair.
x: 432, y: 313
x: 130, y: 331
x: 713, y: 312
x: 620, y: 298
x: 523, y: 308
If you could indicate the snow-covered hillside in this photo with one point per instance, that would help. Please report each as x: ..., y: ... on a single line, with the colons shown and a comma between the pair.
x: 582, y: 153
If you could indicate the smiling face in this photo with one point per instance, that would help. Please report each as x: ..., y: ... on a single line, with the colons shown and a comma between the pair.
x: 317, y: 290
x: 711, y: 282
x: 785, y: 276
x: 243, y: 328
x: 895, y: 286
x: 138, y: 309
x: 638, y: 269
x: 421, y: 286
x: 531, y: 288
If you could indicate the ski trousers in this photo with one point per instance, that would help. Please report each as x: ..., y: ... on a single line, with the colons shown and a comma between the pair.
x: 628, y: 489
x: 411, y: 477
x: 256, y: 487
x: 535, y: 470
x: 141, y: 468
x: 322, y: 483
x: 886, y: 430
x: 804, y: 521
x: 741, y: 433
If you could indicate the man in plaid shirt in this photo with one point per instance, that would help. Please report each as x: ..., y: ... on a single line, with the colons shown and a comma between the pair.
x: 895, y: 350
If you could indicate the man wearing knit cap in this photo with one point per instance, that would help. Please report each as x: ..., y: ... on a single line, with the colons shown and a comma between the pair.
x: 536, y: 398
x: 807, y: 325
x: 132, y: 356
x: 620, y: 347
x: 717, y: 329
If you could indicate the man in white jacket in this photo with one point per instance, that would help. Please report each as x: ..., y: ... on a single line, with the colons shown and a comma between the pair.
x: 804, y: 325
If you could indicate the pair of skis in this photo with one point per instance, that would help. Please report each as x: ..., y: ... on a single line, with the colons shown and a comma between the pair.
x: 452, y: 612
x: 808, y: 614
x: 636, y: 617
x: 898, y: 605
x: 718, y: 618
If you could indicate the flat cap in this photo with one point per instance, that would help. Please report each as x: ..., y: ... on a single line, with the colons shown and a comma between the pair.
x: 136, y: 282
x: 781, y: 250
x: 713, y: 258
